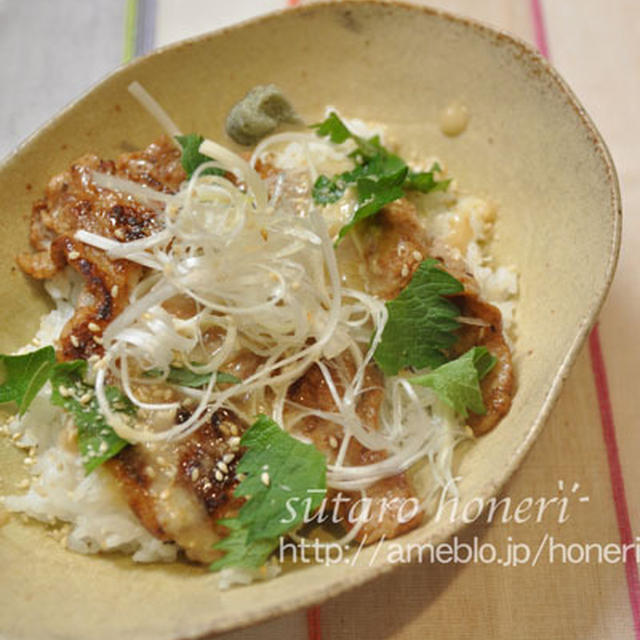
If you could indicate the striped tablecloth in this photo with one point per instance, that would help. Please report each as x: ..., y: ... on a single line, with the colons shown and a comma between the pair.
x: 589, y: 448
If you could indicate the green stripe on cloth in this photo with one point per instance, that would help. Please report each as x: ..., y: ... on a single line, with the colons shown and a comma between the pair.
x: 130, y: 29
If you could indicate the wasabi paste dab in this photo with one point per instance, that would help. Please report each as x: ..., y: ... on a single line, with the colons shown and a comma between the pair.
x: 258, y: 114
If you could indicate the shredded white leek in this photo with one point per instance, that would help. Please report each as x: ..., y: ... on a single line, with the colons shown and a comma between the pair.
x: 241, y: 276
x: 154, y: 109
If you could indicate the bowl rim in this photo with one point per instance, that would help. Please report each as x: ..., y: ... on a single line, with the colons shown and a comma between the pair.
x: 364, y: 574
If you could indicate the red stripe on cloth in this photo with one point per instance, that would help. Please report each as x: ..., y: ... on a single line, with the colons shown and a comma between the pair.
x: 615, y: 472
x: 314, y: 629
x: 606, y: 413
x: 539, y: 31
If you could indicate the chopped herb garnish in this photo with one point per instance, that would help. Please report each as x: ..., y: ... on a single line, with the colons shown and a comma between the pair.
x: 328, y: 190
x: 421, y: 323
x: 372, y: 196
x: 285, y: 479
x: 192, y: 158
x: 334, y: 128
x: 239, y: 551
x: 380, y: 177
x: 97, y: 441
x: 425, y: 182
x: 187, y: 378
x: 25, y: 375
x: 457, y: 383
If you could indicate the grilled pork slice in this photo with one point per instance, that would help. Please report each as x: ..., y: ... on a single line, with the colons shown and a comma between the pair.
x: 180, y: 489
x: 394, y: 245
x: 72, y: 202
x: 159, y: 166
x: 498, y: 386
x: 386, y: 497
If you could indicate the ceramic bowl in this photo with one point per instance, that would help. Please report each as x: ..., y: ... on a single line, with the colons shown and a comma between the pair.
x: 529, y: 146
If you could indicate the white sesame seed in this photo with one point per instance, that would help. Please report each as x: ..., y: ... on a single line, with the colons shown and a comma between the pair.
x: 223, y: 467
x: 73, y: 255
x: 164, y: 494
x: 228, y: 457
x: 63, y: 391
x: 234, y: 430
x: 93, y: 327
x: 405, y: 271
x: 150, y: 471
x: 206, y: 486
x: 264, y: 478
x: 74, y: 341
x: 28, y: 461
x: 103, y: 447
x: 84, y: 399
x: 195, y: 474
x: 97, y: 339
x: 114, y: 290
x: 333, y: 442
x: 234, y: 442
x: 119, y: 233
x: 417, y: 256
x: 218, y: 475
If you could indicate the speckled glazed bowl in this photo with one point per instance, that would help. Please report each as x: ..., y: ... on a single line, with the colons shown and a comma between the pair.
x: 529, y: 146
